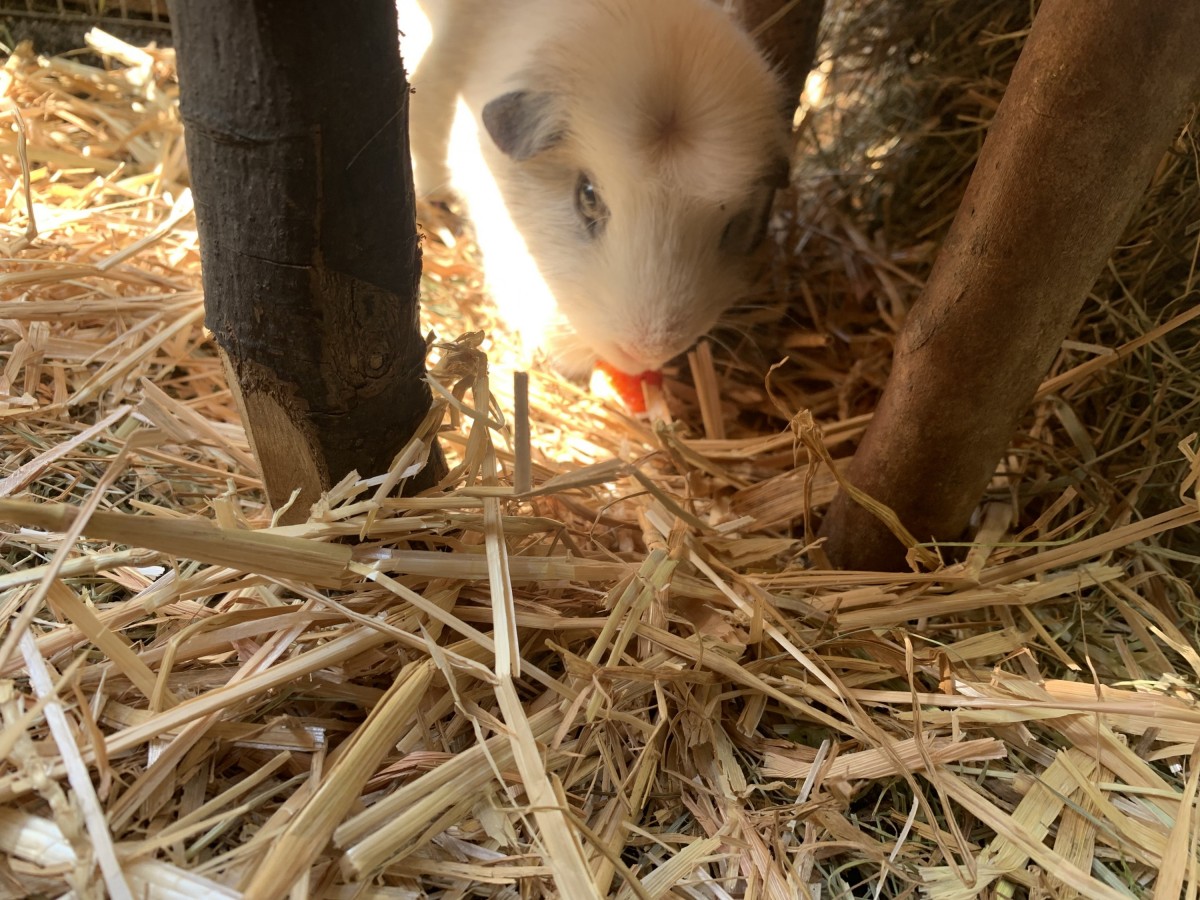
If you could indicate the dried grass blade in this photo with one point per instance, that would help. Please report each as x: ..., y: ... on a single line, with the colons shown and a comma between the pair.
x: 564, y: 854
x: 40, y: 841
x: 1029, y: 845
x: 108, y: 642
x: 389, y: 826
x: 776, y: 635
x: 1140, y: 840
x: 125, y: 364
x: 583, y: 477
x: 474, y: 566
x: 1094, y: 546
x: 360, y: 640
x: 874, y: 763
x: 714, y: 660
x: 708, y: 390
x: 77, y: 773
x: 1178, y: 863
x: 169, y: 408
x: 658, y: 882
x: 504, y: 623
x: 1100, y: 363
x: 92, y: 564
x: 1075, y: 838
x: 180, y: 211
x: 78, y: 521
x: 32, y: 469
x: 1023, y: 594
x: 247, y: 551
x: 227, y: 797
x: 297, y: 848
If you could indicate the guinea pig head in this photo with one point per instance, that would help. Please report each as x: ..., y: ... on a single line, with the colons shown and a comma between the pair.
x: 639, y: 165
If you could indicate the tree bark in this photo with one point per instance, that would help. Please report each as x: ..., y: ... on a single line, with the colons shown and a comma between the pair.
x: 787, y: 31
x: 296, y: 115
x: 1093, y: 102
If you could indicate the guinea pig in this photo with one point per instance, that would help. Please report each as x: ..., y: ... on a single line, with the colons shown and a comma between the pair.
x: 618, y: 159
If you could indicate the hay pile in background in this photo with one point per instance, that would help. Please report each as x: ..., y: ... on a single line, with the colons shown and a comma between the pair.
x: 630, y: 683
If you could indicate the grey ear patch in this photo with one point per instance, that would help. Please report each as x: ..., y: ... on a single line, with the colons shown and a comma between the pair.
x: 522, y: 123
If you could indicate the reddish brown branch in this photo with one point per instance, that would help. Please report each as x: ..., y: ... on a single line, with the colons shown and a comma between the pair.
x: 1093, y: 102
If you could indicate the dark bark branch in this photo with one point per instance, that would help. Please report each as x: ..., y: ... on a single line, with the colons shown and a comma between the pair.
x: 296, y: 115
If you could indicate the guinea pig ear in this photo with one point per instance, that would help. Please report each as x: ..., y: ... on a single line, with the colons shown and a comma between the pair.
x: 522, y: 123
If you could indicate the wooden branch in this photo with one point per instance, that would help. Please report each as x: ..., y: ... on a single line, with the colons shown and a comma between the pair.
x: 1093, y: 102
x: 296, y: 115
x: 787, y: 31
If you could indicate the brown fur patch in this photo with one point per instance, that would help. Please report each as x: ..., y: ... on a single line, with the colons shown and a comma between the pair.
x: 668, y: 136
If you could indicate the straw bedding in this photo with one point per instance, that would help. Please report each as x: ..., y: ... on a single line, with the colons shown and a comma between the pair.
x: 631, y: 680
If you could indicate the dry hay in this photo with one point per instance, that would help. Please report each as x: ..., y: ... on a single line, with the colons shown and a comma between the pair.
x: 630, y: 682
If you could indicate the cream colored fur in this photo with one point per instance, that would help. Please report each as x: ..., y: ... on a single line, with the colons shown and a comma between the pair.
x: 669, y: 110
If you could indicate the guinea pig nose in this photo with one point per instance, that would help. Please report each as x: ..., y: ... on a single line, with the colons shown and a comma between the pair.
x: 648, y: 353
x: 626, y: 357
x: 639, y: 353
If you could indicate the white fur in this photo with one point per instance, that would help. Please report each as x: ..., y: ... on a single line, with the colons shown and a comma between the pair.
x: 670, y: 110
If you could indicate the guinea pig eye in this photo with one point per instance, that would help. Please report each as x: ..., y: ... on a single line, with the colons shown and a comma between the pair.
x: 590, y: 207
